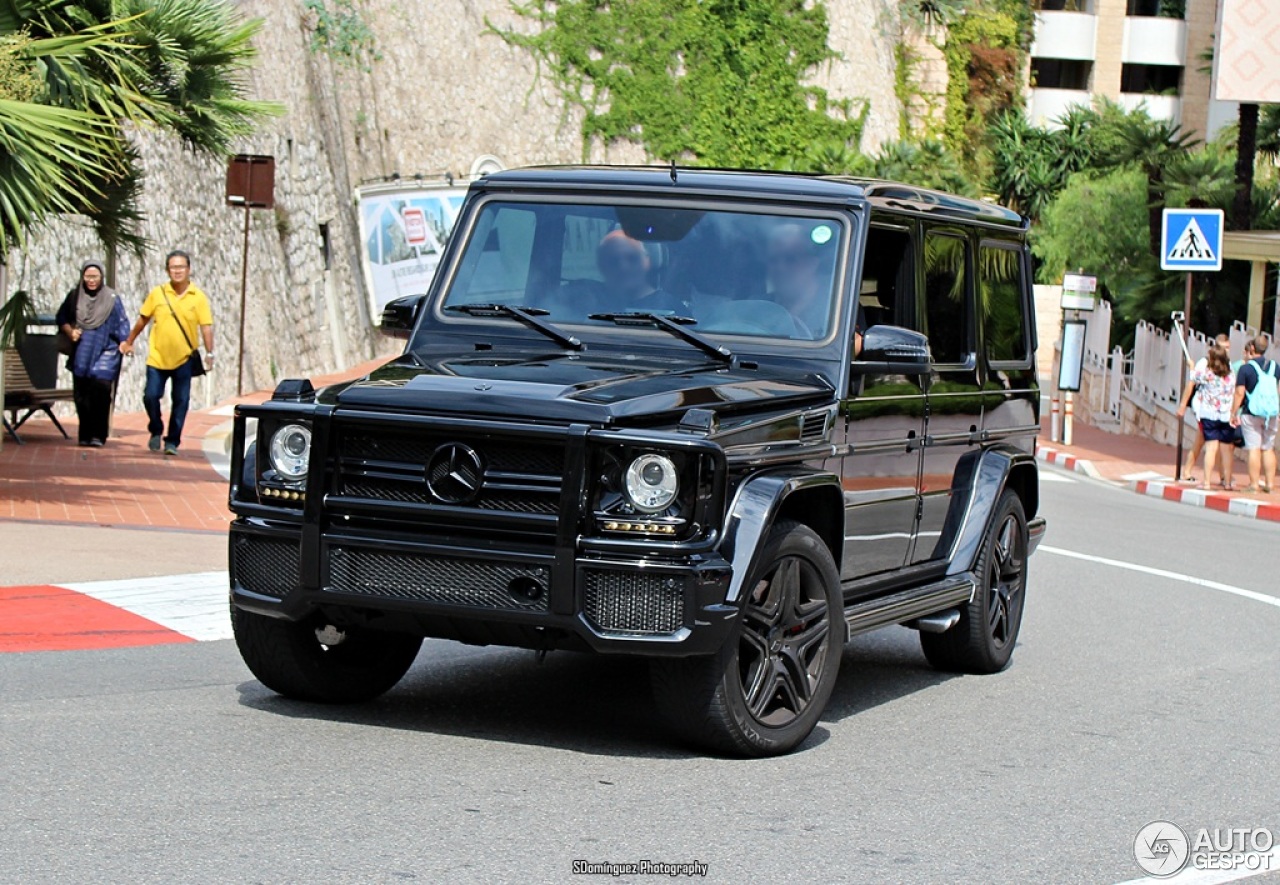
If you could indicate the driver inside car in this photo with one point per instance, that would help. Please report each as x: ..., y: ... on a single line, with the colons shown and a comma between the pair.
x: 625, y: 267
x: 796, y: 282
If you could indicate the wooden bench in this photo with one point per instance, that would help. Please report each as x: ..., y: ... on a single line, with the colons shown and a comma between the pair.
x: 20, y: 394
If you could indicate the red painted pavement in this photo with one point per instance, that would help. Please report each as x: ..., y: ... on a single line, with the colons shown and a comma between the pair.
x: 44, y: 618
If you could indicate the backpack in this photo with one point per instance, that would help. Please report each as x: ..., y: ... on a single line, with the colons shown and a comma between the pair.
x: 1264, y: 399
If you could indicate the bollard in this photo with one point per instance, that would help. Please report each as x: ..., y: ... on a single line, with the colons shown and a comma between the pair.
x: 1054, y: 419
x: 1068, y: 411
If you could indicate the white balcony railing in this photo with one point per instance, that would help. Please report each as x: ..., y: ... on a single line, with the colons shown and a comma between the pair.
x: 1065, y: 35
x: 1149, y: 40
x: 1160, y: 107
x: 1047, y: 105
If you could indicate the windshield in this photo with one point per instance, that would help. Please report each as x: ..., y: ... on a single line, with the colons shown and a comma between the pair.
x: 729, y: 272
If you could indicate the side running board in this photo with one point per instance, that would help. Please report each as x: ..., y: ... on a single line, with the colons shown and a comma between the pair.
x: 908, y: 605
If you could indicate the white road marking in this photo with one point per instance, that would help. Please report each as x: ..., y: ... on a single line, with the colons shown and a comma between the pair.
x: 1050, y: 476
x: 193, y: 605
x: 1164, y: 573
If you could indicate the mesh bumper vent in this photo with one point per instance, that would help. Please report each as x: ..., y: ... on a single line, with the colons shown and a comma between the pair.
x: 628, y: 602
x: 266, y: 566
x: 435, y: 579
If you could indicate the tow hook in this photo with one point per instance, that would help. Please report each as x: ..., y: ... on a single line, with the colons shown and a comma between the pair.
x: 330, y: 635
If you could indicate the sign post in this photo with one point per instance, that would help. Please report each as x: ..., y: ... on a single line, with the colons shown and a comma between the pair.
x: 1190, y: 240
x: 1077, y: 295
x: 251, y: 184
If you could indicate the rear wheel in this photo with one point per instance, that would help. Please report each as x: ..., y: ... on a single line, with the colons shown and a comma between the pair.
x: 764, y: 692
x: 983, y: 639
x: 299, y: 661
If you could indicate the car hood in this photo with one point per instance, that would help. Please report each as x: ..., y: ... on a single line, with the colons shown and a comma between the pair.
x: 575, y: 388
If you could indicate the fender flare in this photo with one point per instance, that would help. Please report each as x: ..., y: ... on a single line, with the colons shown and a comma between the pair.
x: 756, y: 505
x: 978, y: 485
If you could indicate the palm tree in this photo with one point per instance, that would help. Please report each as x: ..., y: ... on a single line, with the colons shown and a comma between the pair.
x: 1136, y: 138
x: 171, y: 64
x: 1246, y: 151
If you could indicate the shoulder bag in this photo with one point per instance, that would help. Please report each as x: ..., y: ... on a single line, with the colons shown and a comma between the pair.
x: 194, y: 360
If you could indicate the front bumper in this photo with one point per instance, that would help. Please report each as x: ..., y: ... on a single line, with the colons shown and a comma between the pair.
x: 484, y: 595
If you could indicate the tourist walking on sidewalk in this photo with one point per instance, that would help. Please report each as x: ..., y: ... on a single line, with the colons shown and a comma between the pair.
x: 94, y: 320
x: 1254, y: 409
x: 182, y: 315
x: 1215, y: 393
x: 1190, y: 395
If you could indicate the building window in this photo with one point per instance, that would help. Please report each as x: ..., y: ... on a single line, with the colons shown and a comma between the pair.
x: 1151, y: 79
x: 1060, y: 73
x: 1161, y: 8
x: 1066, y: 6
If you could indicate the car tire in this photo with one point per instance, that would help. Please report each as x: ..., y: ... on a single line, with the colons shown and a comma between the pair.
x: 982, y: 641
x: 288, y: 658
x: 766, y: 689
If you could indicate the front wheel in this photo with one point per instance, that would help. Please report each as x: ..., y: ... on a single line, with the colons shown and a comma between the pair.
x: 329, y: 666
x: 983, y: 639
x: 764, y: 692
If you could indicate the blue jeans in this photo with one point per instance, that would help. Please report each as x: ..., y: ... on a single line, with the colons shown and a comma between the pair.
x: 180, y: 398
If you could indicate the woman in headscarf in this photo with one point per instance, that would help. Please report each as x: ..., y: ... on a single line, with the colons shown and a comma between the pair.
x: 95, y: 320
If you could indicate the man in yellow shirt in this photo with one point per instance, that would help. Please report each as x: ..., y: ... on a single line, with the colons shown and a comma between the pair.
x: 178, y: 309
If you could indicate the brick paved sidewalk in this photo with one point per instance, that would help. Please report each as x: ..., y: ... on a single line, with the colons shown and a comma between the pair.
x: 1148, y: 467
x: 124, y: 483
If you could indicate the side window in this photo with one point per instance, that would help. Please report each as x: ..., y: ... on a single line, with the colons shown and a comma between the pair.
x: 1000, y: 275
x: 887, y: 291
x: 946, y: 307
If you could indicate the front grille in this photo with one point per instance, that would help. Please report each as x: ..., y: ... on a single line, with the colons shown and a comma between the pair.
x: 633, y: 602
x: 391, y: 464
x: 478, y: 584
x: 414, y: 491
x: 266, y: 565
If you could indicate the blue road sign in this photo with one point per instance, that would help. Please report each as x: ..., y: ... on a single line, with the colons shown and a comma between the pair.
x: 1191, y: 239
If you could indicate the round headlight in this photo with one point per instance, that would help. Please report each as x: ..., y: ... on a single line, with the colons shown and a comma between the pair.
x: 652, y: 483
x: 290, y: 451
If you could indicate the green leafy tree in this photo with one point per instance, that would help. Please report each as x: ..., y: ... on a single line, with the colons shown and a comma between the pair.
x: 1134, y: 138
x: 1098, y: 223
x: 719, y: 82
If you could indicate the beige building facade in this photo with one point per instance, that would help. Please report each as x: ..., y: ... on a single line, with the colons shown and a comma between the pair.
x: 1151, y: 53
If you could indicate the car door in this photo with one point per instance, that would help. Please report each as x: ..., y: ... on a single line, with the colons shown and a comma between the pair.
x: 883, y: 418
x: 1011, y: 393
x: 955, y: 400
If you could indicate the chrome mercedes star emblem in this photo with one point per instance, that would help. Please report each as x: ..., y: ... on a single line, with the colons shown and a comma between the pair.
x: 455, y: 473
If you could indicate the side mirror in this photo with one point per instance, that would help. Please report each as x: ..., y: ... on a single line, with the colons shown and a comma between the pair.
x: 892, y: 350
x: 401, y: 315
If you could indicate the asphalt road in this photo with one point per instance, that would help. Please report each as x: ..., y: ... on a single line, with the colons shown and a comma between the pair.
x: 1132, y: 697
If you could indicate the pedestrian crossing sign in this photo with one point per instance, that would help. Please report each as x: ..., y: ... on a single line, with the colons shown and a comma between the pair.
x: 1191, y: 239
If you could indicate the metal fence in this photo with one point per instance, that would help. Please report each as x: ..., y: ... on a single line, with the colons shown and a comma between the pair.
x: 1152, y: 371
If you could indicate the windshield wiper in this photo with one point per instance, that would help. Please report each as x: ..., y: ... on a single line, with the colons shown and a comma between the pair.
x: 527, y: 315
x: 673, y: 324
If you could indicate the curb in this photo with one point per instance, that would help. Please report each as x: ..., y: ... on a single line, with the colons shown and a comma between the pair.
x: 1067, y: 462
x: 1212, y: 500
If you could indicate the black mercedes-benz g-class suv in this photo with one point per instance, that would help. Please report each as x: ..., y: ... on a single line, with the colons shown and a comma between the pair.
x: 721, y: 420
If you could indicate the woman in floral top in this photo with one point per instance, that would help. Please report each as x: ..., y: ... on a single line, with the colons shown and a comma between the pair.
x: 1215, y: 384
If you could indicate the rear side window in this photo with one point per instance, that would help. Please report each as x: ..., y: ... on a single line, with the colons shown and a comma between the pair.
x: 946, y: 307
x: 1000, y: 277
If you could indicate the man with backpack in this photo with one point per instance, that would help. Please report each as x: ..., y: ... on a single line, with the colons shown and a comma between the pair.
x: 1255, y: 410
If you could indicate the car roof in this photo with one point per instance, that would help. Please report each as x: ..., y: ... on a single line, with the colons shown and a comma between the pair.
x: 890, y: 196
